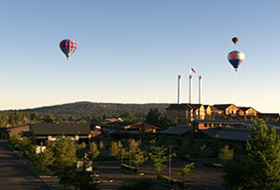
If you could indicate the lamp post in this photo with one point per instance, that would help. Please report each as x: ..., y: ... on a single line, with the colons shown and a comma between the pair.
x: 170, y: 147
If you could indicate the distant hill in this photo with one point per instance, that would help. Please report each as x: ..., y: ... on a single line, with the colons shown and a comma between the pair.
x: 97, y: 109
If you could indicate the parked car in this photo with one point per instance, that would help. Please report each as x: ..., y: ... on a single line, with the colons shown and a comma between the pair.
x: 187, y: 157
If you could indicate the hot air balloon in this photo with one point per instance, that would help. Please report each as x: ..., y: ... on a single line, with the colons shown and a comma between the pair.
x: 68, y: 47
x: 235, y: 40
x: 236, y: 58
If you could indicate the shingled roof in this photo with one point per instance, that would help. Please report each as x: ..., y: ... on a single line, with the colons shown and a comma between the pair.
x: 229, y: 134
x: 60, y: 129
x: 183, y: 106
x: 178, y: 130
x: 222, y: 106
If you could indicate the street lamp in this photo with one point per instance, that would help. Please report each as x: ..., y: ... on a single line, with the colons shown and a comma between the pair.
x: 170, y: 147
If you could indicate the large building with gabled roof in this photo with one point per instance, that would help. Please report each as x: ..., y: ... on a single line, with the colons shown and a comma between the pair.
x: 185, y: 113
x: 79, y: 132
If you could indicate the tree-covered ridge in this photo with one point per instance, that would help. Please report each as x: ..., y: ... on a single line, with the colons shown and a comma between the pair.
x: 97, y: 109
x: 82, y: 112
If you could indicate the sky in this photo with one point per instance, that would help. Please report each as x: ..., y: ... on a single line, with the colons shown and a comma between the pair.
x: 132, y: 51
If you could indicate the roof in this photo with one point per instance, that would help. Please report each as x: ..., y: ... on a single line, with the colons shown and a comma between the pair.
x: 228, y: 133
x: 119, y: 123
x: 175, y: 107
x: 268, y: 115
x: 178, y: 130
x: 206, y: 106
x: 222, y: 106
x: 244, y: 108
x: 214, y: 109
x: 60, y: 129
x: 183, y: 106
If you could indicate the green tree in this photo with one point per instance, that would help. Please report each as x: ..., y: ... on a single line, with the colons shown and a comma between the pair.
x: 101, y: 145
x: 94, y: 152
x: 128, y: 116
x: 114, y: 149
x: 3, y: 120
x: 200, y: 148
x: 226, y: 153
x: 164, y: 122
x: 260, y: 167
x: 139, y: 157
x: 65, y: 155
x: 158, y: 156
x: 45, y: 158
x: 15, y: 141
x: 153, y: 117
x: 186, y: 171
x: 28, y: 148
x: 217, y: 145
x: 133, y: 148
x: 184, y: 148
x: 81, y: 149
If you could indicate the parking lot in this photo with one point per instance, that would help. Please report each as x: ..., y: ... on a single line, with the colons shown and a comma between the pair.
x: 204, y: 178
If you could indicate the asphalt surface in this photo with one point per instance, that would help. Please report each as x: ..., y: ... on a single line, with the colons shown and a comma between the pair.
x: 204, y: 178
x: 14, y: 174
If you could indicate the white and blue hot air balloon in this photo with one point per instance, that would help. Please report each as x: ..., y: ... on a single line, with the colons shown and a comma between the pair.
x: 236, y: 58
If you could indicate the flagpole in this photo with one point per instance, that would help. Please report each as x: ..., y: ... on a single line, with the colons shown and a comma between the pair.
x: 190, y: 89
x: 200, y: 88
x: 190, y: 85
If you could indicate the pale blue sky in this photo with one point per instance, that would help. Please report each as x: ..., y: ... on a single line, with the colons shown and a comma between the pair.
x: 131, y: 51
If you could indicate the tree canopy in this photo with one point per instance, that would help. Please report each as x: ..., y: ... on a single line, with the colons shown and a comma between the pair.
x: 260, y: 167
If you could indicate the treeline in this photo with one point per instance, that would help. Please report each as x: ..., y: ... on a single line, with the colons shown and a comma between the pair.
x: 16, y: 118
x: 80, y: 109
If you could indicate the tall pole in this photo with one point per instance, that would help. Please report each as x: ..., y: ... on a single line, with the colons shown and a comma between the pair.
x: 200, y: 89
x: 169, y: 162
x: 179, y: 88
x: 190, y: 89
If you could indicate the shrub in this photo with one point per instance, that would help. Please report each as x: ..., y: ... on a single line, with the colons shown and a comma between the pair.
x: 170, y: 181
x: 213, y: 165
x: 129, y: 168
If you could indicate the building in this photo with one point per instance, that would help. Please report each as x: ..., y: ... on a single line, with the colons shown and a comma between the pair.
x: 79, y: 132
x: 268, y: 116
x: 17, y: 130
x: 184, y: 113
x: 129, y: 127
x: 247, y: 111
x: 178, y: 131
x: 227, y: 130
x: 227, y: 109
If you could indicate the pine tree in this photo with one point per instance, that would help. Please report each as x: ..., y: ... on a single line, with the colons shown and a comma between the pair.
x: 114, y: 149
x: 94, y: 152
x: 158, y: 156
x: 260, y: 167
x: 186, y: 171
x: 226, y: 153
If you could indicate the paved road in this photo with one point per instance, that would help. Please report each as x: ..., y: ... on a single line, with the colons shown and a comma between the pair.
x: 14, y: 174
x: 204, y: 178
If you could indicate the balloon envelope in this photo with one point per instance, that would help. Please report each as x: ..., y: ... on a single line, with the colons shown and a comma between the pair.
x: 236, y: 58
x: 68, y: 47
x: 235, y: 40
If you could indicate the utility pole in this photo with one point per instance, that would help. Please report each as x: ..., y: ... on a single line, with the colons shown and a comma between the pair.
x: 170, y: 147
